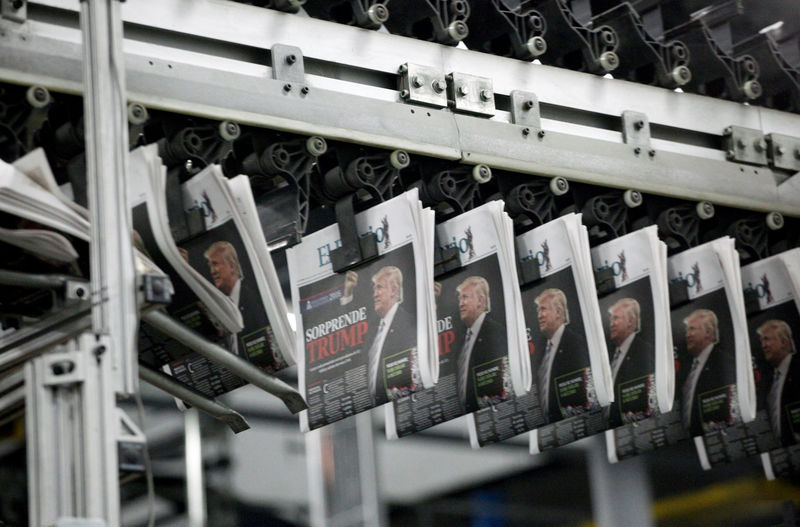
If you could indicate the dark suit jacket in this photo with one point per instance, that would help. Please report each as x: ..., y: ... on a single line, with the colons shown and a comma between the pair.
x: 491, y: 343
x: 789, y: 395
x: 638, y: 362
x: 719, y: 371
x: 572, y: 354
x: 402, y: 335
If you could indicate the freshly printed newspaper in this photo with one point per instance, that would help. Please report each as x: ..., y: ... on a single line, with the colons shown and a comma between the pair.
x: 773, y: 319
x: 363, y: 335
x: 635, y: 338
x: 480, y: 341
x: 714, y: 379
x: 561, y: 324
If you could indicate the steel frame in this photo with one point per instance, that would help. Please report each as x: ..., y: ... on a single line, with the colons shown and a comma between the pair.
x: 201, y: 58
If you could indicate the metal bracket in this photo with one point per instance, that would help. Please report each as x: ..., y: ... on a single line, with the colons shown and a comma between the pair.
x: 470, y: 94
x: 14, y: 10
x: 63, y: 368
x: 784, y: 151
x: 422, y: 84
x: 156, y: 288
x: 525, y: 109
x: 746, y: 145
x: 635, y: 129
x: 131, y: 443
x: 287, y: 64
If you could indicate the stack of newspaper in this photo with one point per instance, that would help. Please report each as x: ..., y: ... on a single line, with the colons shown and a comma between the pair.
x: 772, y: 289
x: 481, y: 346
x: 226, y: 287
x: 714, y: 388
x: 565, y: 348
x: 44, y: 223
x: 365, y: 337
x: 631, y: 338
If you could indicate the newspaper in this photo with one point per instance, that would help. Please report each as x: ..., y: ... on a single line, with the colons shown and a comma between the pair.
x: 635, y: 340
x: 225, y: 268
x: 773, y: 318
x: 714, y: 381
x: 559, y: 318
x: 480, y: 341
x: 363, y: 336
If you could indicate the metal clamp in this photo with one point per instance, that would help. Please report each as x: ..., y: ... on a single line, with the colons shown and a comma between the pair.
x: 635, y: 129
x: 746, y: 145
x: 355, y: 250
x: 288, y: 64
x: 784, y: 151
x: 422, y: 84
x: 471, y: 94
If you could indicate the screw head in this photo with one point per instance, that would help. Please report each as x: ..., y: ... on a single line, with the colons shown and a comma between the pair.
x: 404, y: 94
x: 637, y: 150
x: 463, y: 90
x: 730, y: 154
x: 541, y: 134
x: 638, y: 124
x: 528, y: 105
x: 780, y: 150
x: 304, y: 90
x: 439, y: 85
x: 291, y: 59
x: 287, y: 87
x: 760, y: 145
x: 402, y: 69
x: 526, y: 131
x: 486, y: 94
x: 417, y: 81
x: 740, y: 143
x: 651, y: 153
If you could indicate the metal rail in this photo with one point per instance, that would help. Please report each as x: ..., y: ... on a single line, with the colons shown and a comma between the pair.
x: 206, y: 62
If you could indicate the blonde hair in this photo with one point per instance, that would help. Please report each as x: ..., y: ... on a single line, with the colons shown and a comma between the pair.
x: 557, y: 299
x: 395, y: 277
x: 481, y: 287
x: 228, y: 254
x: 632, y: 310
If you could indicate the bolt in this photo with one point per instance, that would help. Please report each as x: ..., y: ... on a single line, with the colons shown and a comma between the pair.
x: 526, y: 131
x: 98, y: 351
x: 404, y: 94
x: 40, y: 94
x: 730, y: 154
x: 417, y: 81
x: 638, y: 124
x: 231, y: 128
x: 541, y: 134
x: 79, y: 292
x: 291, y: 59
x: 561, y: 183
x: 287, y: 87
x: 402, y: 69
x: 728, y: 130
x: 304, y: 90
x: 637, y: 150
x: 486, y: 94
x: 760, y: 145
x: 708, y: 208
x: 740, y: 143
x: 137, y: 111
x: 463, y: 90
x: 651, y: 153
x: 780, y: 150
x: 528, y: 105
x: 439, y: 85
